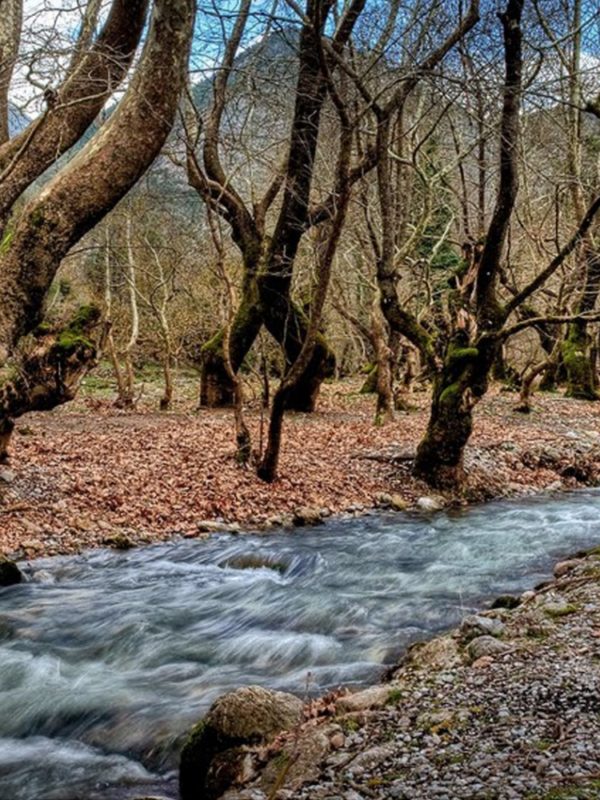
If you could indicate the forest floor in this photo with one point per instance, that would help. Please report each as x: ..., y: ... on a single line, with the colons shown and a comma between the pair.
x: 89, y: 475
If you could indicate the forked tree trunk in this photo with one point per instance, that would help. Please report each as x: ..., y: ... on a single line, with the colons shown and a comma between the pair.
x: 217, y: 390
x: 73, y: 202
x: 463, y: 378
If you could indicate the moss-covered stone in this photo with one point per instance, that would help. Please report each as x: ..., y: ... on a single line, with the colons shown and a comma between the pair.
x: 212, y: 756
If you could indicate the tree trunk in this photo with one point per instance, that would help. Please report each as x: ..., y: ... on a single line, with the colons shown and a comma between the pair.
x: 577, y: 350
x: 217, y: 390
x: 48, y: 373
x: 440, y: 454
x: 11, y: 20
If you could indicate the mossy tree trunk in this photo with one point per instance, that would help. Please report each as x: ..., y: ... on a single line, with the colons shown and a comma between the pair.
x: 47, y: 372
x: 458, y: 386
x: 80, y: 194
x: 578, y: 352
x: 463, y: 378
x: 579, y: 364
x: 216, y: 387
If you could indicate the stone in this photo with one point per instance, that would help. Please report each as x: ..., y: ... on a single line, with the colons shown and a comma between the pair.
x: 32, y: 544
x: 506, y: 601
x: 337, y: 740
x: 476, y: 625
x: 119, y: 541
x: 398, y: 503
x: 306, y: 515
x: 214, y: 526
x: 215, y: 755
x: 486, y: 646
x: 483, y: 662
x: 10, y: 574
x: 438, y: 654
x: 373, y: 697
x: 430, y: 503
x: 564, y: 567
x: 7, y: 476
x: 299, y: 761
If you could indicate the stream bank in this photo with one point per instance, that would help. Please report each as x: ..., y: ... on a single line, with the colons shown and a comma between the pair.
x: 91, y: 476
x: 107, y: 659
x: 505, y: 707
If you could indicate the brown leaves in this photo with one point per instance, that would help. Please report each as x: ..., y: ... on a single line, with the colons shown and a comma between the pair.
x: 82, y: 475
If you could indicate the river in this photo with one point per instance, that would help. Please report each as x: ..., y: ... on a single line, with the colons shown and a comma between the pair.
x: 107, y: 658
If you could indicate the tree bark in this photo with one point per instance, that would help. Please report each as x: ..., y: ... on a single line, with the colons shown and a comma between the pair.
x: 463, y: 379
x: 11, y: 21
x: 94, y: 76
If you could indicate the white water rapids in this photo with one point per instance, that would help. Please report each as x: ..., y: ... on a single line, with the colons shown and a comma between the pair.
x: 107, y: 658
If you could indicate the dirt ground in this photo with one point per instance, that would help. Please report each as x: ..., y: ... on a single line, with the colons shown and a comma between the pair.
x: 89, y: 475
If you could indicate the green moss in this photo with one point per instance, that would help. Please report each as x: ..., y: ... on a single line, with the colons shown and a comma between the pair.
x: 577, y: 362
x: 585, y: 791
x: 349, y: 725
x: 75, y: 335
x: 394, y: 697
x: 37, y: 217
x: 6, y: 242
x: 451, y: 392
x: 564, y: 611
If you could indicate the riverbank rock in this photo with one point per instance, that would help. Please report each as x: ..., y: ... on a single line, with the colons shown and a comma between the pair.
x: 306, y: 515
x: 486, y: 646
x: 475, y: 625
x: 10, y: 574
x: 216, y: 755
x: 438, y: 654
x: 215, y: 526
x: 431, y: 503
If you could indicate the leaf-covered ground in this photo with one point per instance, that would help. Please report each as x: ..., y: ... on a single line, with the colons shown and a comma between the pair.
x: 87, y: 472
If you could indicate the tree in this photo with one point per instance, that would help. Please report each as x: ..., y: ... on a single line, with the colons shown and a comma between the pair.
x: 461, y: 377
x: 41, y: 232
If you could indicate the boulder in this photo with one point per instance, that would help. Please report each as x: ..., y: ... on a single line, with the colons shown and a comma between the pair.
x: 438, y: 654
x: 476, y: 625
x: 306, y: 515
x: 564, y: 567
x: 431, y: 503
x: 486, y: 646
x: 299, y: 761
x: 216, y: 754
x: 10, y: 574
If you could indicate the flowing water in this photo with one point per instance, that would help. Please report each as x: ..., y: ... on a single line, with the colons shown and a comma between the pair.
x: 106, y: 659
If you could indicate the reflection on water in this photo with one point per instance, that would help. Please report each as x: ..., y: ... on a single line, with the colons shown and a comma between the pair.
x: 106, y: 659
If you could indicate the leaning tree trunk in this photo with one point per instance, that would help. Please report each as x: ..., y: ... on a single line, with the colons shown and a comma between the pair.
x: 75, y: 200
